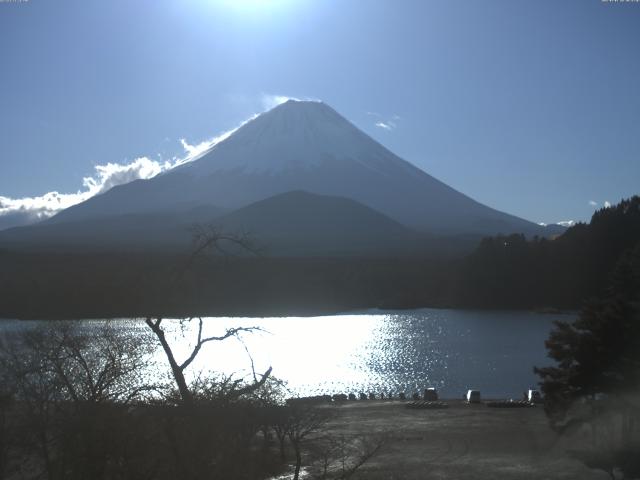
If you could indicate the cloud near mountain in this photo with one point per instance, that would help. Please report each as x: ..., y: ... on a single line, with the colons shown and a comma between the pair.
x: 16, y: 212
x: 304, y: 146
x: 26, y: 210
x: 297, y: 145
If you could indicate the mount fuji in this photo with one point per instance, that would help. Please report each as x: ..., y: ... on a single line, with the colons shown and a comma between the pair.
x: 298, y: 146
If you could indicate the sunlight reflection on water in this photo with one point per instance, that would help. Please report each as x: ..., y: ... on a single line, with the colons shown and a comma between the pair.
x: 389, y: 352
x: 375, y: 351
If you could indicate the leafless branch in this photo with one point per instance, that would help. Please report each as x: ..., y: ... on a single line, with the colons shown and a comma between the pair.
x: 210, y: 237
x: 232, y: 332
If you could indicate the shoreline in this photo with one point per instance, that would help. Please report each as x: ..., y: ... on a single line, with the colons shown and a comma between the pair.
x: 295, y: 313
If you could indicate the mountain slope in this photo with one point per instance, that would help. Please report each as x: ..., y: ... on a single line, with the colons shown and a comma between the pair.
x: 306, y: 146
x: 125, y: 232
x: 301, y: 223
x: 291, y: 224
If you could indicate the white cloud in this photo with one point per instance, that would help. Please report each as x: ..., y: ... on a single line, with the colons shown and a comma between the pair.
x: 23, y: 211
x: 112, y: 174
x: 567, y: 223
x: 386, y: 126
x: 606, y: 203
x: 271, y: 101
x: 31, y: 209
x: 196, y: 151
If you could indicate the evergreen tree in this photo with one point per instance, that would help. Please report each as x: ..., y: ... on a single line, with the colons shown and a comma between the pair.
x: 513, y: 272
x: 598, y: 368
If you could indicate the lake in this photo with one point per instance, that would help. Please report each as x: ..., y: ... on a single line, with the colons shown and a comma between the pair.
x: 374, y: 351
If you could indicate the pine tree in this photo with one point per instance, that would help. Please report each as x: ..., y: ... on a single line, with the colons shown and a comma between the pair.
x: 598, y: 367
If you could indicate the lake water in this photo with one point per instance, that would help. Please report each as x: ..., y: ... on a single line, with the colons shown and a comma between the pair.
x: 374, y: 351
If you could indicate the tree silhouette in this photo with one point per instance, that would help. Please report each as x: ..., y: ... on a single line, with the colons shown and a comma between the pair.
x: 205, y: 238
x: 178, y: 369
x: 597, y: 375
x: 513, y: 272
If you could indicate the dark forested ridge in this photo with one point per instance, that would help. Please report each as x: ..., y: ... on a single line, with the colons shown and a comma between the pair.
x: 114, y: 285
x: 513, y: 272
x: 503, y: 272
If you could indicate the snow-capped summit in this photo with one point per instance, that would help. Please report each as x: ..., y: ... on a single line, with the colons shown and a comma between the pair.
x: 294, y: 135
x: 302, y: 145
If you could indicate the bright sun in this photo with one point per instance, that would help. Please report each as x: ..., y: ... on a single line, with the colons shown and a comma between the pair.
x: 249, y: 4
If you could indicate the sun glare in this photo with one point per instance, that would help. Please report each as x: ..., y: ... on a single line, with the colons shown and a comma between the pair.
x: 250, y: 4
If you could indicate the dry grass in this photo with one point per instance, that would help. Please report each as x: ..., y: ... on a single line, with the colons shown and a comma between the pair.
x: 460, y: 442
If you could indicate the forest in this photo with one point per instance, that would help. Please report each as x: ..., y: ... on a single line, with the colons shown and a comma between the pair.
x: 503, y: 272
x: 513, y: 272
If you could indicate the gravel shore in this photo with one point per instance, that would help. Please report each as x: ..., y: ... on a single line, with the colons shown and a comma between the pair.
x: 460, y: 442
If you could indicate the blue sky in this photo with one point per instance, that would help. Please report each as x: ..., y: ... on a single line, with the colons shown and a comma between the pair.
x: 529, y: 107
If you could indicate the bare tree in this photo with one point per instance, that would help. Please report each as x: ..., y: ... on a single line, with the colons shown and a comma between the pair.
x: 329, y: 456
x: 101, y: 363
x: 5, y: 432
x: 66, y: 379
x: 206, y: 238
x: 345, y: 455
x: 270, y: 398
x: 178, y: 369
x: 94, y: 363
x: 299, y: 423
